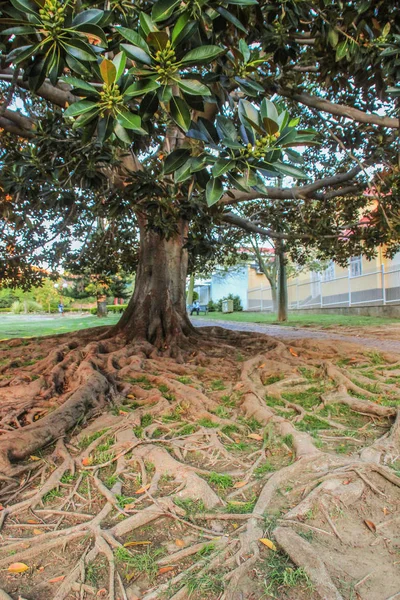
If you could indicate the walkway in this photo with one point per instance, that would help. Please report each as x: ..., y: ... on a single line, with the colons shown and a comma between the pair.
x: 287, y: 332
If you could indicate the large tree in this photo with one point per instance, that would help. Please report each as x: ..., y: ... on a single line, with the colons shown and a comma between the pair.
x: 164, y: 120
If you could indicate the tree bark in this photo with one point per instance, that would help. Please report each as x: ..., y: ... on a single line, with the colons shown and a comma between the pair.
x: 190, y: 290
x: 157, y: 310
x: 101, y: 306
x: 282, y: 285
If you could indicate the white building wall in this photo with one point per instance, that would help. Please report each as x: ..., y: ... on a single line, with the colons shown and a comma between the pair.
x: 234, y: 281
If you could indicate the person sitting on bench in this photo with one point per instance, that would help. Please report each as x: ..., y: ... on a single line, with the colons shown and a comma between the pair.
x: 195, y: 307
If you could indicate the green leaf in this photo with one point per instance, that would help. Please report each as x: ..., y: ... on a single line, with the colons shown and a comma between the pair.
x: 238, y: 183
x: 197, y: 163
x: 185, y: 33
x: 245, y: 50
x: 201, y: 55
x: 119, y: 62
x: 139, y: 88
x: 148, y: 105
x: 130, y: 121
x: 226, y: 129
x: 194, y: 87
x: 79, y: 108
x: 147, y: 24
x: 289, y: 170
x: 18, y: 55
x: 269, y: 111
x: 214, y: 191
x: 79, y: 50
x: 222, y: 166
x: 270, y: 126
x: 179, y: 26
x: 158, y: 39
x: 180, y: 112
x: 183, y: 173
x: 93, y: 31
x: 108, y: 71
x: 333, y: 37
x: 137, y: 54
x: 163, y: 9
x: 341, y: 50
x: 165, y: 93
x: 18, y: 30
x: 25, y: 6
x: 92, y: 15
x: 243, y: 2
x: 176, y: 159
x: 81, y: 84
x: 121, y: 133
x: 247, y: 112
x: 134, y: 38
x: 231, y: 18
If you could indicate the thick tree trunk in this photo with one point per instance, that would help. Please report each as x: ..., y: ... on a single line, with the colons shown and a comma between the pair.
x: 189, y: 300
x: 101, y: 306
x: 282, y: 286
x: 157, y: 309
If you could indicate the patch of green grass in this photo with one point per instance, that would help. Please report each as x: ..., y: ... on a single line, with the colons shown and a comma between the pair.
x: 230, y: 429
x: 240, y: 447
x: 228, y: 401
x: 282, y: 574
x: 308, y: 374
x: 191, y: 507
x: 288, y: 440
x: 376, y: 358
x: 110, y: 481
x: 207, y: 423
x: 307, y: 535
x: 311, y: 424
x: 239, y: 357
x: 146, y: 420
x: 220, y: 480
x: 124, y: 500
x: 52, y: 495
x: 142, y: 380
x: 206, y: 550
x: 187, y: 429
x: 251, y: 423
x: 240, y: 508
x: 296, y: 320
x: 273, y: 379
x: 307, y: 399
x: 343, y: 413
x: 88, y: 439
x: 184, y: 379
x: 217, y: 384
x: 260, y: 471
x: 221, y: 412
x: 144, y: 562
x: 138, y: 431
x: 93, y: 573
x: 201, y: 586
x: 68, y: 477
x: 272, y: 401
x: 157, y: 433
x: 14, y: 326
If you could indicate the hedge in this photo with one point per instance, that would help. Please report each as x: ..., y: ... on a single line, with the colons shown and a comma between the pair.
x: 111, y: 308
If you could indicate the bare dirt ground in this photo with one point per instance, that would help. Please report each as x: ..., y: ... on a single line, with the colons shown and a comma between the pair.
x: 252, y: 467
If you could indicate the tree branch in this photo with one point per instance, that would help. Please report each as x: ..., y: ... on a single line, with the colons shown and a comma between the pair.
x: 237, y: 221
x: 340, y: 110
x: 304, y: 191
x: 60, y: 95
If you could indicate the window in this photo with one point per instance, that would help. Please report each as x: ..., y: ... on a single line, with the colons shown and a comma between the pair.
x: 355, y: 266
x: 315, y: 283
x: 329, y: 273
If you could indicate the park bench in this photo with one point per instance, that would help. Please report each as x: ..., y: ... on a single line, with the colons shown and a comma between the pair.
x: 203, y: 308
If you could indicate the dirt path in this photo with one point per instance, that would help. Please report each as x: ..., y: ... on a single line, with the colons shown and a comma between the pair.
x: 285, y: 332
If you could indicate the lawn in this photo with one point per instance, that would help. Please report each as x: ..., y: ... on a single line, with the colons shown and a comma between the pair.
x: 12, y: 326
x: 309, y: 320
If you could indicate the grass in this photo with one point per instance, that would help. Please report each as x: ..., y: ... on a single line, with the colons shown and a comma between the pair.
x: 13, y: 326
x: 220, y: 480
x: 311, y: 320
x: 143, y: 562
x: 281, y: 575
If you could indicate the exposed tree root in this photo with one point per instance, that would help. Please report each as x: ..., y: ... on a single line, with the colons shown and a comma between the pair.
x: 126, y: 474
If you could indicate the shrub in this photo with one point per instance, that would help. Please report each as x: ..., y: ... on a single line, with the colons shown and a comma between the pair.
x: 29, y: 306
x: 111, y: 308
x: 212, y: 307
x: 237, y: 303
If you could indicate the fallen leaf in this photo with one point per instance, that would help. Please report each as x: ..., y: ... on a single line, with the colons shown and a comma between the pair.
x: 31, y: 521
x: 239, y: 484
x: 101, y: 592
x: 129, y: 506
x: 370, y: 525
x: 18, y: 568
x: 87, y: 461
x: 180, y: 543
x: 130, y: 544
x: 235, y: 525
x: 32, y: 457
x: 131, y: 396
x: 143, y: 489
x: 57, y: 579
x: 268, y: 543
x: 165, y: 570
x: 262, y: 366
x: 123, y: 412
x: 1, y: 507
x: 255, y: 436
x: 237, y: 503
x: 386, y: 511
x: 37, y: 531
x: 292, y: 352
x: 347, y: 482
